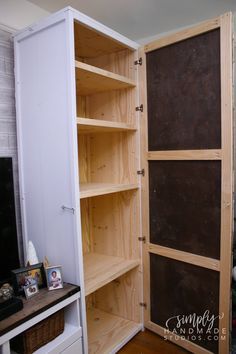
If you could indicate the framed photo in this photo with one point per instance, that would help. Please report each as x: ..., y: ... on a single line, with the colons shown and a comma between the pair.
x: 31, y: 290
x: 31, y: 275
x: 54, y: 277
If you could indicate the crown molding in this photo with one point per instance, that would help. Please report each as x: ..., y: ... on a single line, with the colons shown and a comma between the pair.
x: 7, y: 28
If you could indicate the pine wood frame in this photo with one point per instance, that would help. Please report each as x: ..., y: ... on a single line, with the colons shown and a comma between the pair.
x: 225, y: 155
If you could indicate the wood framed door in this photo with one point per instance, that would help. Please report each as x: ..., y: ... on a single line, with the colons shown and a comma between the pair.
x: 187, y: 190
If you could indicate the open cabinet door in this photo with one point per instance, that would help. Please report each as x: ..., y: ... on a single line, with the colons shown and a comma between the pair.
x: 187, y: 190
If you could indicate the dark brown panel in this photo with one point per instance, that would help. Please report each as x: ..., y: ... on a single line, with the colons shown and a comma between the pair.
x: 183, y: 92
x: 181, y: 289
x: 185, y: 200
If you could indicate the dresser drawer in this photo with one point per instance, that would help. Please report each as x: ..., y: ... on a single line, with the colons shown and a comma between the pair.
x: 76, y: 347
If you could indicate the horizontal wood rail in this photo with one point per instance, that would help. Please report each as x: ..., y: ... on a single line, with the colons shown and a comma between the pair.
x: 182, y: 35
x: 185, y: 155
x: 174, y: 338
x: 182, y: 256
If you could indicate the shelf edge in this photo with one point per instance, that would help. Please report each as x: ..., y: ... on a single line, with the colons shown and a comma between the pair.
x: 91, y: 289
x: 107, y: 190
x: 104, y: 73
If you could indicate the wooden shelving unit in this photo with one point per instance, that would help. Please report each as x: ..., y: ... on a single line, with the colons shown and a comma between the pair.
x: 88, y: 190
x: 109, y: 198
x: 106, y: 331
x: 101, y: 269
x: 91, y: 80
x: 88, y: 126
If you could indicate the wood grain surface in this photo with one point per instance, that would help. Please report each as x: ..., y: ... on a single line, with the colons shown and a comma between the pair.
x: 37, y: 304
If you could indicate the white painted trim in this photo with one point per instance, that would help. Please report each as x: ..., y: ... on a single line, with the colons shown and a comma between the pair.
x: 5, y: 349
x: 43, y: 23
x: 75, y: 168
x: 48, y: 22
x: 82, y: 18
x: 19, y: 150
x: 7, y: 28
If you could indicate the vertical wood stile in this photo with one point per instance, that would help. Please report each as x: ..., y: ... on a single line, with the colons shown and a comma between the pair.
x: 144, y: 185
x: 227, y: 177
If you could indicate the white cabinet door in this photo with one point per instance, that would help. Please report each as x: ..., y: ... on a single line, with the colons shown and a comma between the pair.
x: 46, y: 124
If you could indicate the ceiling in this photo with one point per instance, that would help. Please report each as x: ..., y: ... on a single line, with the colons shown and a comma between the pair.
x: 140, y: 19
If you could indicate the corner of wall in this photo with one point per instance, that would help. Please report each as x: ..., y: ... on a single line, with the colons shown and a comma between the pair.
x: 18, y: 14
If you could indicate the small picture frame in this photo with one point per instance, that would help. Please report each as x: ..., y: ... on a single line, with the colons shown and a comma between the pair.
x: 31, y: 290
x: 23, y: 277
x: 54, y: 277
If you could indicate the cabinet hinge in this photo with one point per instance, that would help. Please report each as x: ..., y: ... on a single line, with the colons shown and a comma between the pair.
x: 141, y: 172
x: 138, y: 61
x: 139, y: 108
x: 142, y: 238
x: 143, y: 304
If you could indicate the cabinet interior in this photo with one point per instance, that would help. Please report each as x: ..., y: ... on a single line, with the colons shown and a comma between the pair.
x: 105, y: 78
x: 96, y: 49
x: 113, y: 312
x: 107, y: 158
x: 115, y: 106
x: 109, y: 237
x: 107, y: 226
x: 109, y: 196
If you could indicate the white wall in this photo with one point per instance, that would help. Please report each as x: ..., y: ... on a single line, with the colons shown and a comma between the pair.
x: 18, y: 14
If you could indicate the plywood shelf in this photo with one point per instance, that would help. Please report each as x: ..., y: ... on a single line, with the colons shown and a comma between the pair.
x: 101, y: 269
x: 88, y: 190
x: 91, y: 43
x: 107, y: 332
x: 88, y: 126
x: 91, y: 80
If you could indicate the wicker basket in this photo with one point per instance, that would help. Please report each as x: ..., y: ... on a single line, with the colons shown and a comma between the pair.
x: 40, y: 334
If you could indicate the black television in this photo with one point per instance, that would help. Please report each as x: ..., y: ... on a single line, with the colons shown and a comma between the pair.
x: 9, y: 251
